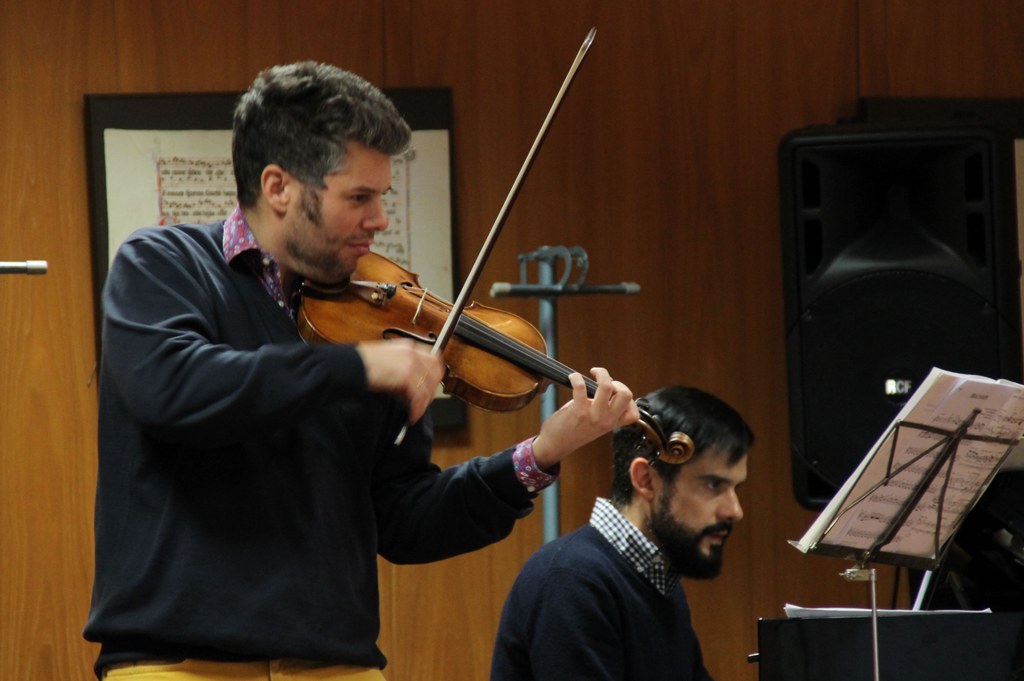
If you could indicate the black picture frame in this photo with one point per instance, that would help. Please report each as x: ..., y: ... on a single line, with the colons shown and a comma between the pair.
x: 423, y: 109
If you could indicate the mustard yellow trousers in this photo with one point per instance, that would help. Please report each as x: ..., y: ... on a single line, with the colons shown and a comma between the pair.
x: 273, y: 670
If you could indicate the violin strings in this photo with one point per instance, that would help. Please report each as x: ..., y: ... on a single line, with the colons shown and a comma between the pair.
x: 528, y: 357
x: 513, y: 349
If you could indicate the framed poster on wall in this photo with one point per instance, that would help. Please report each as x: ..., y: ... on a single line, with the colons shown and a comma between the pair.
x: 163, y: 159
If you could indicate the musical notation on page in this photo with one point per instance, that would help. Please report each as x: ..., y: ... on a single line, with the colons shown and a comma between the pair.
x: 908, y: 496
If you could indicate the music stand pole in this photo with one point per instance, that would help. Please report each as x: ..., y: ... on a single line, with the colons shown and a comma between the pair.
x: 547, y: 291
x: 861, y: 574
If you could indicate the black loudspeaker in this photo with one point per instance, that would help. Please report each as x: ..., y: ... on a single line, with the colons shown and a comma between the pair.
x: 899, y: 254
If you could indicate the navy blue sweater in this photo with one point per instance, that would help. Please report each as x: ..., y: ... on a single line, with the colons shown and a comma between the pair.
x: 247, y: 480
x: 579, y: 612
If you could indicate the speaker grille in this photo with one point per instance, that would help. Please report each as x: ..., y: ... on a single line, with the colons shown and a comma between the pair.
x: 899, y: 254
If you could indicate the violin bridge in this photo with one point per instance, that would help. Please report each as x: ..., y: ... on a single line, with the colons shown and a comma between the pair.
x: 419, y: 307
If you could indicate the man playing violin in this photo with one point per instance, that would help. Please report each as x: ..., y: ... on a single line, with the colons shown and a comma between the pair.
x: 248, y: 480
x: 604, y: 602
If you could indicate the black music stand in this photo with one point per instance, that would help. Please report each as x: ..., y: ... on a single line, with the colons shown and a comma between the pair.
x: 913, y: 490
x: 947, y: 445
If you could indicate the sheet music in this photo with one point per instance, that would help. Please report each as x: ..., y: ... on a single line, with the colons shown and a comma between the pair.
x: 194, y: 189
x: 797, y: 611
x: 857, y: 518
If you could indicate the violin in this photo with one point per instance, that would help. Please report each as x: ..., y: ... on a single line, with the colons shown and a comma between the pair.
x: 494, y: 360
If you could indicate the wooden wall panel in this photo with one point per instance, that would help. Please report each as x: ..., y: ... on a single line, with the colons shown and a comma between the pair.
x: 51, y: 55
x: 661, y: 164
x: 193, y: 45
x: 47, y: 405
x: 968, y: 49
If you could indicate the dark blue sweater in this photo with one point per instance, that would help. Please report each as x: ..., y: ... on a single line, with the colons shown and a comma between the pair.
x: 248, y: 481
x: 579, y: 612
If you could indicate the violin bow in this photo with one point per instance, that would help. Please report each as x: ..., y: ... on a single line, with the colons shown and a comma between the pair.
x: 485, y: 251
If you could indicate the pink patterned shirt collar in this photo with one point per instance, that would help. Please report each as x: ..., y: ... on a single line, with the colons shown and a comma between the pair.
x: 240, y: 244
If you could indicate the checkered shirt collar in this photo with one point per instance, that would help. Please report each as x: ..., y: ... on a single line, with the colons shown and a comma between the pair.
x: 637, y: 549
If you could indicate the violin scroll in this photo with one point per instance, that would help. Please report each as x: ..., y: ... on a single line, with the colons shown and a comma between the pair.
x: 677, y: 448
